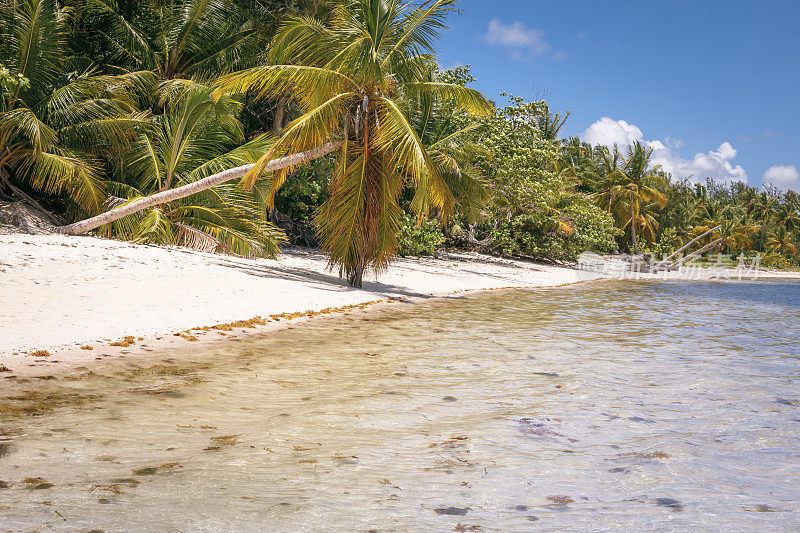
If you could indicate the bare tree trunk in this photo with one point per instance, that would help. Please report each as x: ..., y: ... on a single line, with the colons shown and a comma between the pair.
x: 192, y: 188
x: 356, y: 276
x: 633, y: 232
x: 680, y: 262
x: 685, y: 246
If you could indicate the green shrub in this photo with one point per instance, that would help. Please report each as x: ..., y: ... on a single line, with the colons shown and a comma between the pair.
x: 419, y: 239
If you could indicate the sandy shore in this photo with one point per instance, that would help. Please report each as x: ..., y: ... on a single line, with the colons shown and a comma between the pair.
x: 69, y: 300
x: 62, y: 293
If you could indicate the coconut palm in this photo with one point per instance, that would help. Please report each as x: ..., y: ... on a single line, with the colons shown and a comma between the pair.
x: 197, y: 137
x: 628, y: 189
x: 352, y: 79
x: 449, y: 140
x: 782, y: 243
x: 732, y: 231
x: 600, y: 179
x: 56, y: 121
x: 550, y: 124
x: 765, y: 208
x: 179, y: 39
x: 788, y: 215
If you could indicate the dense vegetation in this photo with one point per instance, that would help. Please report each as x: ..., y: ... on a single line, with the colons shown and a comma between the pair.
x: 103, y: 102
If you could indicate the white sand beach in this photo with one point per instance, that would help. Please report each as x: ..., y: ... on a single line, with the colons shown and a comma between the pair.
x: 60, y: 293
x: 75, y: 296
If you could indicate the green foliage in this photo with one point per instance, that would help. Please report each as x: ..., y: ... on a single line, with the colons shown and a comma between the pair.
x: 11, y: 83
x: 56, y: 124
x: 301, y: 196
x: 197, y: 136
x: 531, y: 210
x: 102, y: 102
x: 668, y: 242
x: 417, y: 238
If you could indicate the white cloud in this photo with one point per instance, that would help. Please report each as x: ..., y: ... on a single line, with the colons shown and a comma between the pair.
x: 517, y: 36
x: 717, y: 164
x: 782, y: 176
x: 608, y: 132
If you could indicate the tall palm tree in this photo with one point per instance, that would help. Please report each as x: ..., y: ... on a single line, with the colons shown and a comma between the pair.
x: 354, y: 78
x: 628, y: 189
x: 781, y: 243
x: 765, y: 208
x: 55, y: 121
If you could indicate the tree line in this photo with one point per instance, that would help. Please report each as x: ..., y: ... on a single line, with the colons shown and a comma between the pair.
x: 346, y: 134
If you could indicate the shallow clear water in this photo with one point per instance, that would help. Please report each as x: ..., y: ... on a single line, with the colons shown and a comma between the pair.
x: 647, y: 407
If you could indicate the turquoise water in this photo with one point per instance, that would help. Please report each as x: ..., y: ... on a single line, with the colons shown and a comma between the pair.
x: 653, y: 406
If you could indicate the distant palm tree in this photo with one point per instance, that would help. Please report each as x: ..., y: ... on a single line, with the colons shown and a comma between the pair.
x: 781, y: 242
x: 765, y: 208
x: 54, y: 121
x: 789, y: 216
x: 550, y: 124
x: 734, y: 233
x: 354, y: 79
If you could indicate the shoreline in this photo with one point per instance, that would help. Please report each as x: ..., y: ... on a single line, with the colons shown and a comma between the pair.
x: 75, y: 300
x: 71, y: 301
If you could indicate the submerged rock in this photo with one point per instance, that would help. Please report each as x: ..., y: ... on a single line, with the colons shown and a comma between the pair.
x: 453, y: 511
x: 761, y: 508
x: 670, y: 503
x: 146, y: 471
x: 784, y: 401
x: 560, y: 499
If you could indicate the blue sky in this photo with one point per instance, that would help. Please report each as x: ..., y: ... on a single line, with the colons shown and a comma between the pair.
x: 713, y: 86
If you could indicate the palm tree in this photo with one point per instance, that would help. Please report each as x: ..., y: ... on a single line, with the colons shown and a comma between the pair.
x: 734, y: 232
x: 628, y: 190
x: 781, y: 243
x: 601, y: 178
x: 448, y: 138
x: 550, y: 124
x: 55, y: 122
x: 197, y: 137
x: 180, y: 39
x: 765, y: 208
x: 353, y: 79
x: 789, y: 216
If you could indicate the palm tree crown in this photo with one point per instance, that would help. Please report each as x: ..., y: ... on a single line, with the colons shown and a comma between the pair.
x: 354, y: 79
x: 56, y: 120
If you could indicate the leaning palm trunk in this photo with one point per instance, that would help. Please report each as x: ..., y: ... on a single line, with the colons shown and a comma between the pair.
x: 192, y: 188
x: 679, y: 263
x: 685, y: 246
